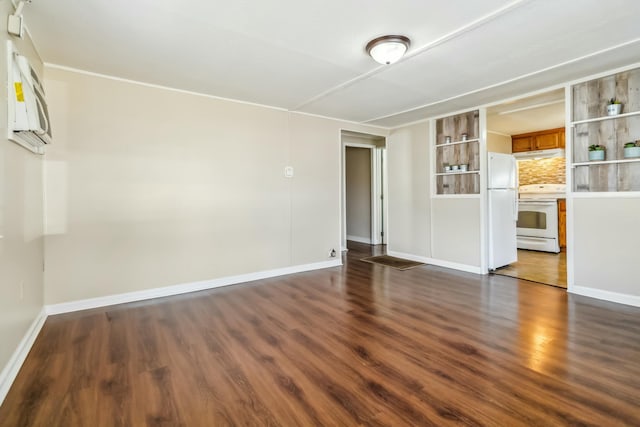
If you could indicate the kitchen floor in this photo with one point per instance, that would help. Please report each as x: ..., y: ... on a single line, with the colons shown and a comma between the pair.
x: 542, y: 267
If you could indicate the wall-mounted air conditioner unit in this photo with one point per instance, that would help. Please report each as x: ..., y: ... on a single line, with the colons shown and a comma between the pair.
x: 28, y: 118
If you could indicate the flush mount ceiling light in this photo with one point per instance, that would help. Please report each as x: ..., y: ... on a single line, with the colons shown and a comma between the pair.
x: 388, y: 49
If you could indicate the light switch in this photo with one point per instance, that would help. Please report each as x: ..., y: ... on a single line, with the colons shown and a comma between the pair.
x: 288, y: 171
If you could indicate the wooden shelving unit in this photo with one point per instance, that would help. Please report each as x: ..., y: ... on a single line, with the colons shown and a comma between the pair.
x: 456, y: 173
x: 599, y: 119
x: 458, y: 152
x: 606, y: 162
x: 591, y: 125
x: 448, y: 144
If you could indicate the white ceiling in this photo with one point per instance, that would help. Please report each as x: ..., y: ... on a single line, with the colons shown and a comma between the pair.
x: 530, y: 114
x: 309, y: 55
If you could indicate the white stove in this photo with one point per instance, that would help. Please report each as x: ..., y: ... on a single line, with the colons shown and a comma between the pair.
x: 537, y: 227
x: 542, y: 191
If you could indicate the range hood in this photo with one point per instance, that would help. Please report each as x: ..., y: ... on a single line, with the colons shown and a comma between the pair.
x: 539, y: 154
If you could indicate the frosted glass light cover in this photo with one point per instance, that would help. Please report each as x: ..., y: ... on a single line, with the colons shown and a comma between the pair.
x: 388, y: 53
x: 388, y: 49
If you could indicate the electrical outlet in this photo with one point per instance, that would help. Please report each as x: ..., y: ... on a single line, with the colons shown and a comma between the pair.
x: 288, y: 172
x: 332, y: 253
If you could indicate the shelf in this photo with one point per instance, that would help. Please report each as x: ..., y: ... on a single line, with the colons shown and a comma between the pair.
x: 456, y: 196
x: 465, y: 152
x: 455, y: 173
x: 599, y: 119
x: 605, y: 195
x: 457, y: 142
x: 615, y: 174
x: 606, y: 162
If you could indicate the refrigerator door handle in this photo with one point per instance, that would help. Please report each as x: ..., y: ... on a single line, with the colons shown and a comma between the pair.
x: 515, y: 173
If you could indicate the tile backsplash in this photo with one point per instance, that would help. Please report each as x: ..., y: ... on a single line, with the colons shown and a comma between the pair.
x: 542, y: 171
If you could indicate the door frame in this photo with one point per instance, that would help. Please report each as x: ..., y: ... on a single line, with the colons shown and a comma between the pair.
x: 379, y: 205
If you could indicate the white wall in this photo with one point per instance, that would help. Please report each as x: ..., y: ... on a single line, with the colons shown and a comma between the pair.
x: 456, y: 230
x: 358, y: 193
x: 21, y: 217
x: 498, y: 143
x: 445, y: 230
x: 409, y: 181
x: 148, y: 187
x: 316, y: 153
x: 605, y: 246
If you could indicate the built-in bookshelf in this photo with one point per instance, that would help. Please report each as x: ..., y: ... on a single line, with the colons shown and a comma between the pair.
x: 591, y: 125
x: 458, y: 147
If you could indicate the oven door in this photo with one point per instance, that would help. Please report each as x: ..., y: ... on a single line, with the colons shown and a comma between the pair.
x: 537, y: 219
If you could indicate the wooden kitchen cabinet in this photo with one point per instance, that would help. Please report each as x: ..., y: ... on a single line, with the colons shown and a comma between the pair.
x: 541, y: 140
x: 562, y: 224
x: 521, y: 143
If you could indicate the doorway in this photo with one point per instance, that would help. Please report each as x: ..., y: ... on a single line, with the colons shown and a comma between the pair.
x: 532, y: 129
x: 363, y: 183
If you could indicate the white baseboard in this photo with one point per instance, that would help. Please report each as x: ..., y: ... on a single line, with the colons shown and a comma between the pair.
x: 410, y: 257
x: 11, y: 369
x: 619, y: 298
x: 183, y: 288
x: 438, y: 262
x: 365, y: 240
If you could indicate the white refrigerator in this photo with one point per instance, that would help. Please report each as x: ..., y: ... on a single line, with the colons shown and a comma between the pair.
x: 502, y: 186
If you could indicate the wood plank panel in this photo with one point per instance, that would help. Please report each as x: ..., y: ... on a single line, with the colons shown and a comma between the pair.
x: 455, y: 126
x: 354, y: 345
x: 589, y: 102
x: 629, y: 177
x: 458, y: 184
x: 590, y: 98
x: 458, y: 154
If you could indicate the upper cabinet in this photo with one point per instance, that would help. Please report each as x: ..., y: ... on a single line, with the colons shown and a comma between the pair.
x: 542, y: 140
x: 606, y: 140
x: 520, y: 143
x: 457, y: 154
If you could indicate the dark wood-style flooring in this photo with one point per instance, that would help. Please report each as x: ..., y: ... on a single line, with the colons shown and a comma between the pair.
x: 358, y: 345
x: 542, y: 267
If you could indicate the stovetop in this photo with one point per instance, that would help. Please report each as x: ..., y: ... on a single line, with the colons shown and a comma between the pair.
x: 543, y: 191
